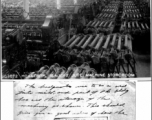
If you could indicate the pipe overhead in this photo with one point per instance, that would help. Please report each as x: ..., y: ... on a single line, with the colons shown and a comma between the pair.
x: 94, y: 41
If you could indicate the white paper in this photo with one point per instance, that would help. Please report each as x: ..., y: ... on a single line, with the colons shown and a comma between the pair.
x: 74, y: 100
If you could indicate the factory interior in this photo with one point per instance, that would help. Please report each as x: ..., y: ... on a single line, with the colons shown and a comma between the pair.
x: 75, y: 39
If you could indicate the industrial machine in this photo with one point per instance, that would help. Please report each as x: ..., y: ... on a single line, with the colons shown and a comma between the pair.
x: 97, y: 42
x: 13, y: 52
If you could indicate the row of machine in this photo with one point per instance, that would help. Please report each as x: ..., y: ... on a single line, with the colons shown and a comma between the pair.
x: 101, y: 46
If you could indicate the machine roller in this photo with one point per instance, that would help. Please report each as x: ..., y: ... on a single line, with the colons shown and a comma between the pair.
x: 101, y: 15
x: 107, y: 42
x: 134, y: 27
x: 129, y: 26
x: 101, y: 23
x: 110, y: 24
x: 89, y: 23
x: 97, y: 24
x: 146, y: 26
x: 119, y: 43
x: 105, y: 24
x: 87, y: 42
x: 99, y: 43
x: 137, y: 24
x: 125, y: 24
x: 133, y: 24
x: 70, y: 41
x: 94, y: 41
x: 93, y: 23
x: 82, y: 41
x: 75, y: 42
x: 142, y: 26
x: 113, y: 40
x: 126, y: 41
x: 130, y: 45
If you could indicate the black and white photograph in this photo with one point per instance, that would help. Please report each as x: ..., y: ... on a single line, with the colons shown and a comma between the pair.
x: 76, y: 59
x: 75, y: 39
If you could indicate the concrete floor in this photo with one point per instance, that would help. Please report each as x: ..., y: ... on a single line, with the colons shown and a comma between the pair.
x: 142, y: 65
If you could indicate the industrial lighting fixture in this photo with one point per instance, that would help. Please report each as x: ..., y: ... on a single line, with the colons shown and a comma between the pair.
x: 46, y: 23
x: 75, y: 2
x: 4, y: 61
x: 49, y: 16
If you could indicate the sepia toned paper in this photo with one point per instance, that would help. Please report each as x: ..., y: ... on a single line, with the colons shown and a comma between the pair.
x: 74, y: 100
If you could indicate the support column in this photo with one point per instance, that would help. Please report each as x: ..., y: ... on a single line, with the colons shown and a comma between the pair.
x: 26, y: 9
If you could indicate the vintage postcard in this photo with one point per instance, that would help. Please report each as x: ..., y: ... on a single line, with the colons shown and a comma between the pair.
x: 81, y: 39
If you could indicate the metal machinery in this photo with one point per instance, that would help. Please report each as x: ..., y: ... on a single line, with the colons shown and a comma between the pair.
x: 102, y: 49
x: 135, y: 22
x: 92, y: 54
x: 13, y: 50
x: 23, y: 57
x: 97, y: 52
